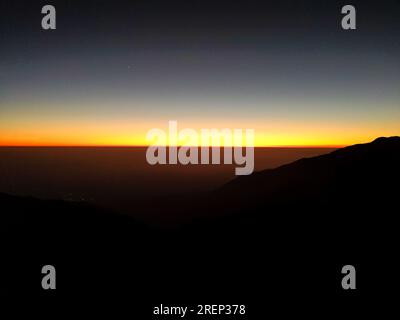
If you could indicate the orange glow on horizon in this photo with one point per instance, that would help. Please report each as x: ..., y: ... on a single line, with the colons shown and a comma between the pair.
x: 287, y: 142
x: 124, y: 133
x: 140, y: 141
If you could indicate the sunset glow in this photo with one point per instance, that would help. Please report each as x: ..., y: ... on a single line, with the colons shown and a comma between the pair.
x: 296, y: 86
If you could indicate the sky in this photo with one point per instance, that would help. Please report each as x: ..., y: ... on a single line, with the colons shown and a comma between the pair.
x: 113, y: 70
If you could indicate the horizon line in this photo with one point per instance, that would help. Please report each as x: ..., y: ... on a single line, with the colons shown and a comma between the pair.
x: 146, y: 146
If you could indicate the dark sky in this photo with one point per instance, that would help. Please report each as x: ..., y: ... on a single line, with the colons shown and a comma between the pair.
x: 285, y: 68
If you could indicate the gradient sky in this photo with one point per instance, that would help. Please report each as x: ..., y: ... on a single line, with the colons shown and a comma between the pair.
x: 115, y: 69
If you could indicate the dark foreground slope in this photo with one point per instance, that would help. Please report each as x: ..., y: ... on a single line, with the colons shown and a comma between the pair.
x: 356, y: 174
x: 278, y: 244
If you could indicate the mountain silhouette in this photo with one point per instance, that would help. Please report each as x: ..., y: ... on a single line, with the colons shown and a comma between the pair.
x: 363, y: 172
x: 355, y: 180
x: 287, y: 231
